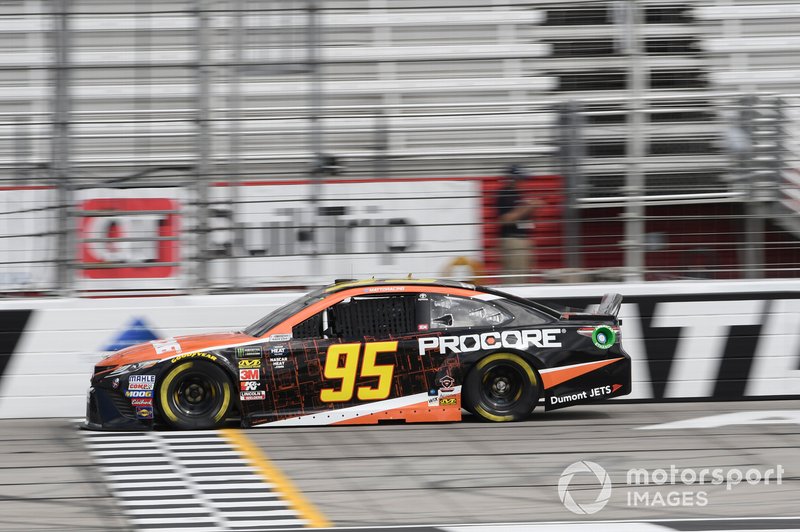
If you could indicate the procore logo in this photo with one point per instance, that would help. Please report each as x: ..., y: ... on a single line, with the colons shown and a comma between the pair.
x: 600, y: 475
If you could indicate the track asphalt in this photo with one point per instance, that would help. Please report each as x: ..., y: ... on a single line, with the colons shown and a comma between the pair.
x: 461, y: 473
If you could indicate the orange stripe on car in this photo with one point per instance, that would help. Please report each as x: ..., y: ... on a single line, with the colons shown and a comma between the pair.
x: 416, y: 413
x: 555, y: 376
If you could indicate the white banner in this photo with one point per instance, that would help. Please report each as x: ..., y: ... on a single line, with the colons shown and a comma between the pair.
x: 129, y: 239
x: 354, y: 230
x: 28, y: 225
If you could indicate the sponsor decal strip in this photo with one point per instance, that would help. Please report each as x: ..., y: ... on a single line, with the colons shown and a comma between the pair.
x: 343, y: 415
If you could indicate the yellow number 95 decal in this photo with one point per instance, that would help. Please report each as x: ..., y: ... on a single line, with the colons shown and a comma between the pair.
x: 341, y: 364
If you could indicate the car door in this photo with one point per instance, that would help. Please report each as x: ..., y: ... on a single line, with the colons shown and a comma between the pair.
x: 356, y: 358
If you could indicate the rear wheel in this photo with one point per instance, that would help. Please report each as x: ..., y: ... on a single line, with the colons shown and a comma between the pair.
x: 195, y: 395
x: 501, y: 387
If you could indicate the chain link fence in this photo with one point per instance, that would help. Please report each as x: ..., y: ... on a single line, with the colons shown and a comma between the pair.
x: 198, y: 146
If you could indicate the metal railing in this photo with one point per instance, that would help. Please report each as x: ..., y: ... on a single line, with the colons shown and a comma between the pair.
x: 191, y: 145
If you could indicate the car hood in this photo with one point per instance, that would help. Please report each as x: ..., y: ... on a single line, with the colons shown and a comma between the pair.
x: 178, y: 345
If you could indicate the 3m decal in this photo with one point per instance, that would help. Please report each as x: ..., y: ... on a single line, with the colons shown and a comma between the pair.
x: 141, y: 382
x: 246, y: 351
x: 253, y: 395
x: 346, y: 371
x: 252, y: 374
x: 208, y: 356
x: 250, y: 363
x: 543, y: 338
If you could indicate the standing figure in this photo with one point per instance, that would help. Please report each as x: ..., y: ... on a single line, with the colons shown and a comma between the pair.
x: 516, y: 215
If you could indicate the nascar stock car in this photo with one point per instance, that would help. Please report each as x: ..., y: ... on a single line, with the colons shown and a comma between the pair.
x: 359, y: 352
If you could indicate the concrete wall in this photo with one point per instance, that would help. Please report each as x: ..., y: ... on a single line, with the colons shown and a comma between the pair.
x: 688, y: 340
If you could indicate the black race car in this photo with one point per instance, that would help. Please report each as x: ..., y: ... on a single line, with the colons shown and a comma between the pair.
x: 359, y: 352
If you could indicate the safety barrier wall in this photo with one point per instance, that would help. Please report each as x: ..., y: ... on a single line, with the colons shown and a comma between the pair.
x: 725, y: 340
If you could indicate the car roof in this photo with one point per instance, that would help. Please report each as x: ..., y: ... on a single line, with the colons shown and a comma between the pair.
x: 343, y: 284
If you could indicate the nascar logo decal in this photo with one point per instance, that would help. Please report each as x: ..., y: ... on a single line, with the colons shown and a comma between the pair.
x: 492, y: 340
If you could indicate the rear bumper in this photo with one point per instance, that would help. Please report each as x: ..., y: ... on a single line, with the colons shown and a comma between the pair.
x: 111, y: 410
x: 613, y: 380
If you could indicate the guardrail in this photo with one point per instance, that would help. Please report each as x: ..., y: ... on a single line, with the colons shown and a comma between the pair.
x: 722, y: 341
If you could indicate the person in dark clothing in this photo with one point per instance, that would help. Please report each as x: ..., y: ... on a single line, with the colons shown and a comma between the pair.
x: 515, y: 214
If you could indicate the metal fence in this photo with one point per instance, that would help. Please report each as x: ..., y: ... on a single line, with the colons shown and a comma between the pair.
x: 199, y: 145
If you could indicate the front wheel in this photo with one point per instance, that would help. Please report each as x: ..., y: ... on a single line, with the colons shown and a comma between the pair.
x: 501, y: 387
x: 195, y: 395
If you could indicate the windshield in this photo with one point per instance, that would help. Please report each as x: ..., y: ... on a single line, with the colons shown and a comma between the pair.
x: 283, y: 313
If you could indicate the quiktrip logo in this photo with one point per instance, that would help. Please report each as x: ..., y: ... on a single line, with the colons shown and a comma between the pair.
x: 129, y: 238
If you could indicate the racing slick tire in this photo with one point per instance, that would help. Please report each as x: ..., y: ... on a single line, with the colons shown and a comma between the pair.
x: 195, y: 395
x: 501, y: 387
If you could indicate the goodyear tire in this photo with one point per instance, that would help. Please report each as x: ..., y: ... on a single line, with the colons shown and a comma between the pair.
x: 501, y: 387
x: 195, y: 395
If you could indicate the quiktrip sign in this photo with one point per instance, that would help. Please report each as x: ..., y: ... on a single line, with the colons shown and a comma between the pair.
x: 266, y: 233
x: 354, y: 228
x: 130, y: 238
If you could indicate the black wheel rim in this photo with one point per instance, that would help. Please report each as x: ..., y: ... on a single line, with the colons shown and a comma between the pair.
x: 195, y: 395
x: 501, y: 386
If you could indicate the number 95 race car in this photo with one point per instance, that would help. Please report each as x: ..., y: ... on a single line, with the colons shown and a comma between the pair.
x: 360, y: 352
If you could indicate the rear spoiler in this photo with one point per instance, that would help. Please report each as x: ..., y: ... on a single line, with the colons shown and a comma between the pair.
x: 609, y: 306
